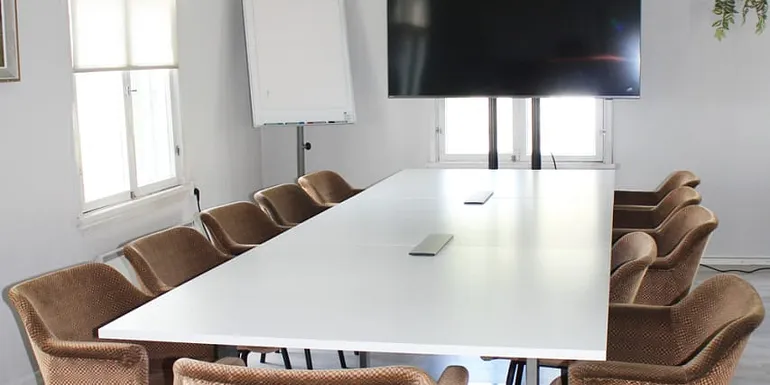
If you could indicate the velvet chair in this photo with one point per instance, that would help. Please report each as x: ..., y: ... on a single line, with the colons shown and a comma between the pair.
x: 698, y: 341
x: 327, y: 187
x: 652, y: 198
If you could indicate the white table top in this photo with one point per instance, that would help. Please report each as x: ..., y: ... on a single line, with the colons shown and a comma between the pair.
x: 527, y: 274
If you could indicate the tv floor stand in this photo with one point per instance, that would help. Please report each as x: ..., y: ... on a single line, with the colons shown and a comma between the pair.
x: 537, y: 158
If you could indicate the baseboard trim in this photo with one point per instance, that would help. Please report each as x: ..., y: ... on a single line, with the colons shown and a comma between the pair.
x: 736, y: 261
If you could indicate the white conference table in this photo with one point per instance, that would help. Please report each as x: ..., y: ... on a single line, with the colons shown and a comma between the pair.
x: 526, y: 275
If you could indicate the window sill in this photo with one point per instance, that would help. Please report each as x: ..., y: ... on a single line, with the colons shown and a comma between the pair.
x: 526, y: 165
x: 134, y: 208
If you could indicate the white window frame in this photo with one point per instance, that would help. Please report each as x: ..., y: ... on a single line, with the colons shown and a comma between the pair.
x: 519, y: 158
x: 135, y: 192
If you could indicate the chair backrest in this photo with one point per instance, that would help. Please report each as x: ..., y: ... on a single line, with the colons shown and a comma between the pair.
x: 168, y: 258
x: 288, y: 204
x: 326, y: 187
x: 686, y: 229
x: 677, y: 179
x: 632, y: 255
x: 712, y: 326
x: 681, y: 241
x: 191, y: 372
x: 697, y: 341
x: 239, y: 223
x: 72, y: 303
x: 674, y: 201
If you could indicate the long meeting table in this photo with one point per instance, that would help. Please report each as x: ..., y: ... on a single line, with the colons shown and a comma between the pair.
x: 526, y: 274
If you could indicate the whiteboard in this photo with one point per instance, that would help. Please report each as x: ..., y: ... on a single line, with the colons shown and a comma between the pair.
x: 298, y: 61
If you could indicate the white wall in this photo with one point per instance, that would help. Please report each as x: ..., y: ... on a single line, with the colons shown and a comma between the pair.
x: 701, y: 100
x: 390, y: 134
x: 704, y: 107
x: 40, y: 192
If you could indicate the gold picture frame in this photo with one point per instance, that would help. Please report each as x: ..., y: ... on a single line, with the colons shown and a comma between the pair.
x: 9, y: 42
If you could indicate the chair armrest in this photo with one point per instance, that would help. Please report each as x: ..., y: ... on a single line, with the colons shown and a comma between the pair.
x: 454, y: 375
x: 622, y: 372
x: 632, y: 219
x: 620, y: 232
x: 240, y: 248
x: 87, y: 363
x: 642, y: 198
x: 127, y: 354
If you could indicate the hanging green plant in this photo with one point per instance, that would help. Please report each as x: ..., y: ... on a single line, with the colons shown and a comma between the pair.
x: 727, y: 9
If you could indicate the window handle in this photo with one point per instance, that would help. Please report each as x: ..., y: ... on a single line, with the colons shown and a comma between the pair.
x: 130, y: 90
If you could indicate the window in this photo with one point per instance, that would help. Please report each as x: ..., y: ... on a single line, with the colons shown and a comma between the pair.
x: 572, y: 129
x: 125, y: 64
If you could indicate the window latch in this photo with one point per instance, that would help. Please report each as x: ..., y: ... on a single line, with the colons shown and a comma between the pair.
x: 130, y: 90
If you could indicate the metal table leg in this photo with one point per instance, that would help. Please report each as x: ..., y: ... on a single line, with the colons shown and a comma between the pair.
x: 363, y: 360
x: 533, y: 372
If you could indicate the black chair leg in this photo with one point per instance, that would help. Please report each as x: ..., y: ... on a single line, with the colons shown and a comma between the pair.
x: 512, y: 370
x: 308, y: 359
x: 564, y: 376
x: 286, y: 359
x: 343, y: 364
x: 520, y: 373
x: 244, y: 356
x: 262, y: 358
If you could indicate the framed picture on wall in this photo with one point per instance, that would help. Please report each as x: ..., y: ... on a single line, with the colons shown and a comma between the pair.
x: 9, y: 42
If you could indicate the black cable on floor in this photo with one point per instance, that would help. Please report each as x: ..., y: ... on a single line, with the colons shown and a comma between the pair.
x: 735, y: 270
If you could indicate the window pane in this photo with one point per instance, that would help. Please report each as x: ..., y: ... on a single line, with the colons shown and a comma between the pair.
x: 153, y: 32
x: 466, y: 130
x: 98, y: 33
x: 102, y: 134
x: 153, y: 126
x: 569, y: 126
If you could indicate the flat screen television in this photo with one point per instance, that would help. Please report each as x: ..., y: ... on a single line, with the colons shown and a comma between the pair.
x: 518, y: 48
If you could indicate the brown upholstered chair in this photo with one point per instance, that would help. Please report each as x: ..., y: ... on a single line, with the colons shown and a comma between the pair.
x: 238, y: 227
x: 650, y: 217
x: 61, y: 312
x: 651, y: 198
x: 191, y: 372
x: 327, y: 187
x: 169, y: 258
x: 288, y: 204
x: 681, y: 241
x: 698, y: 341
x: 631, y: 257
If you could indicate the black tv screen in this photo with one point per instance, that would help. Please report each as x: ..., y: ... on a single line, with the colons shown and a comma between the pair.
x: 519, y: 48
